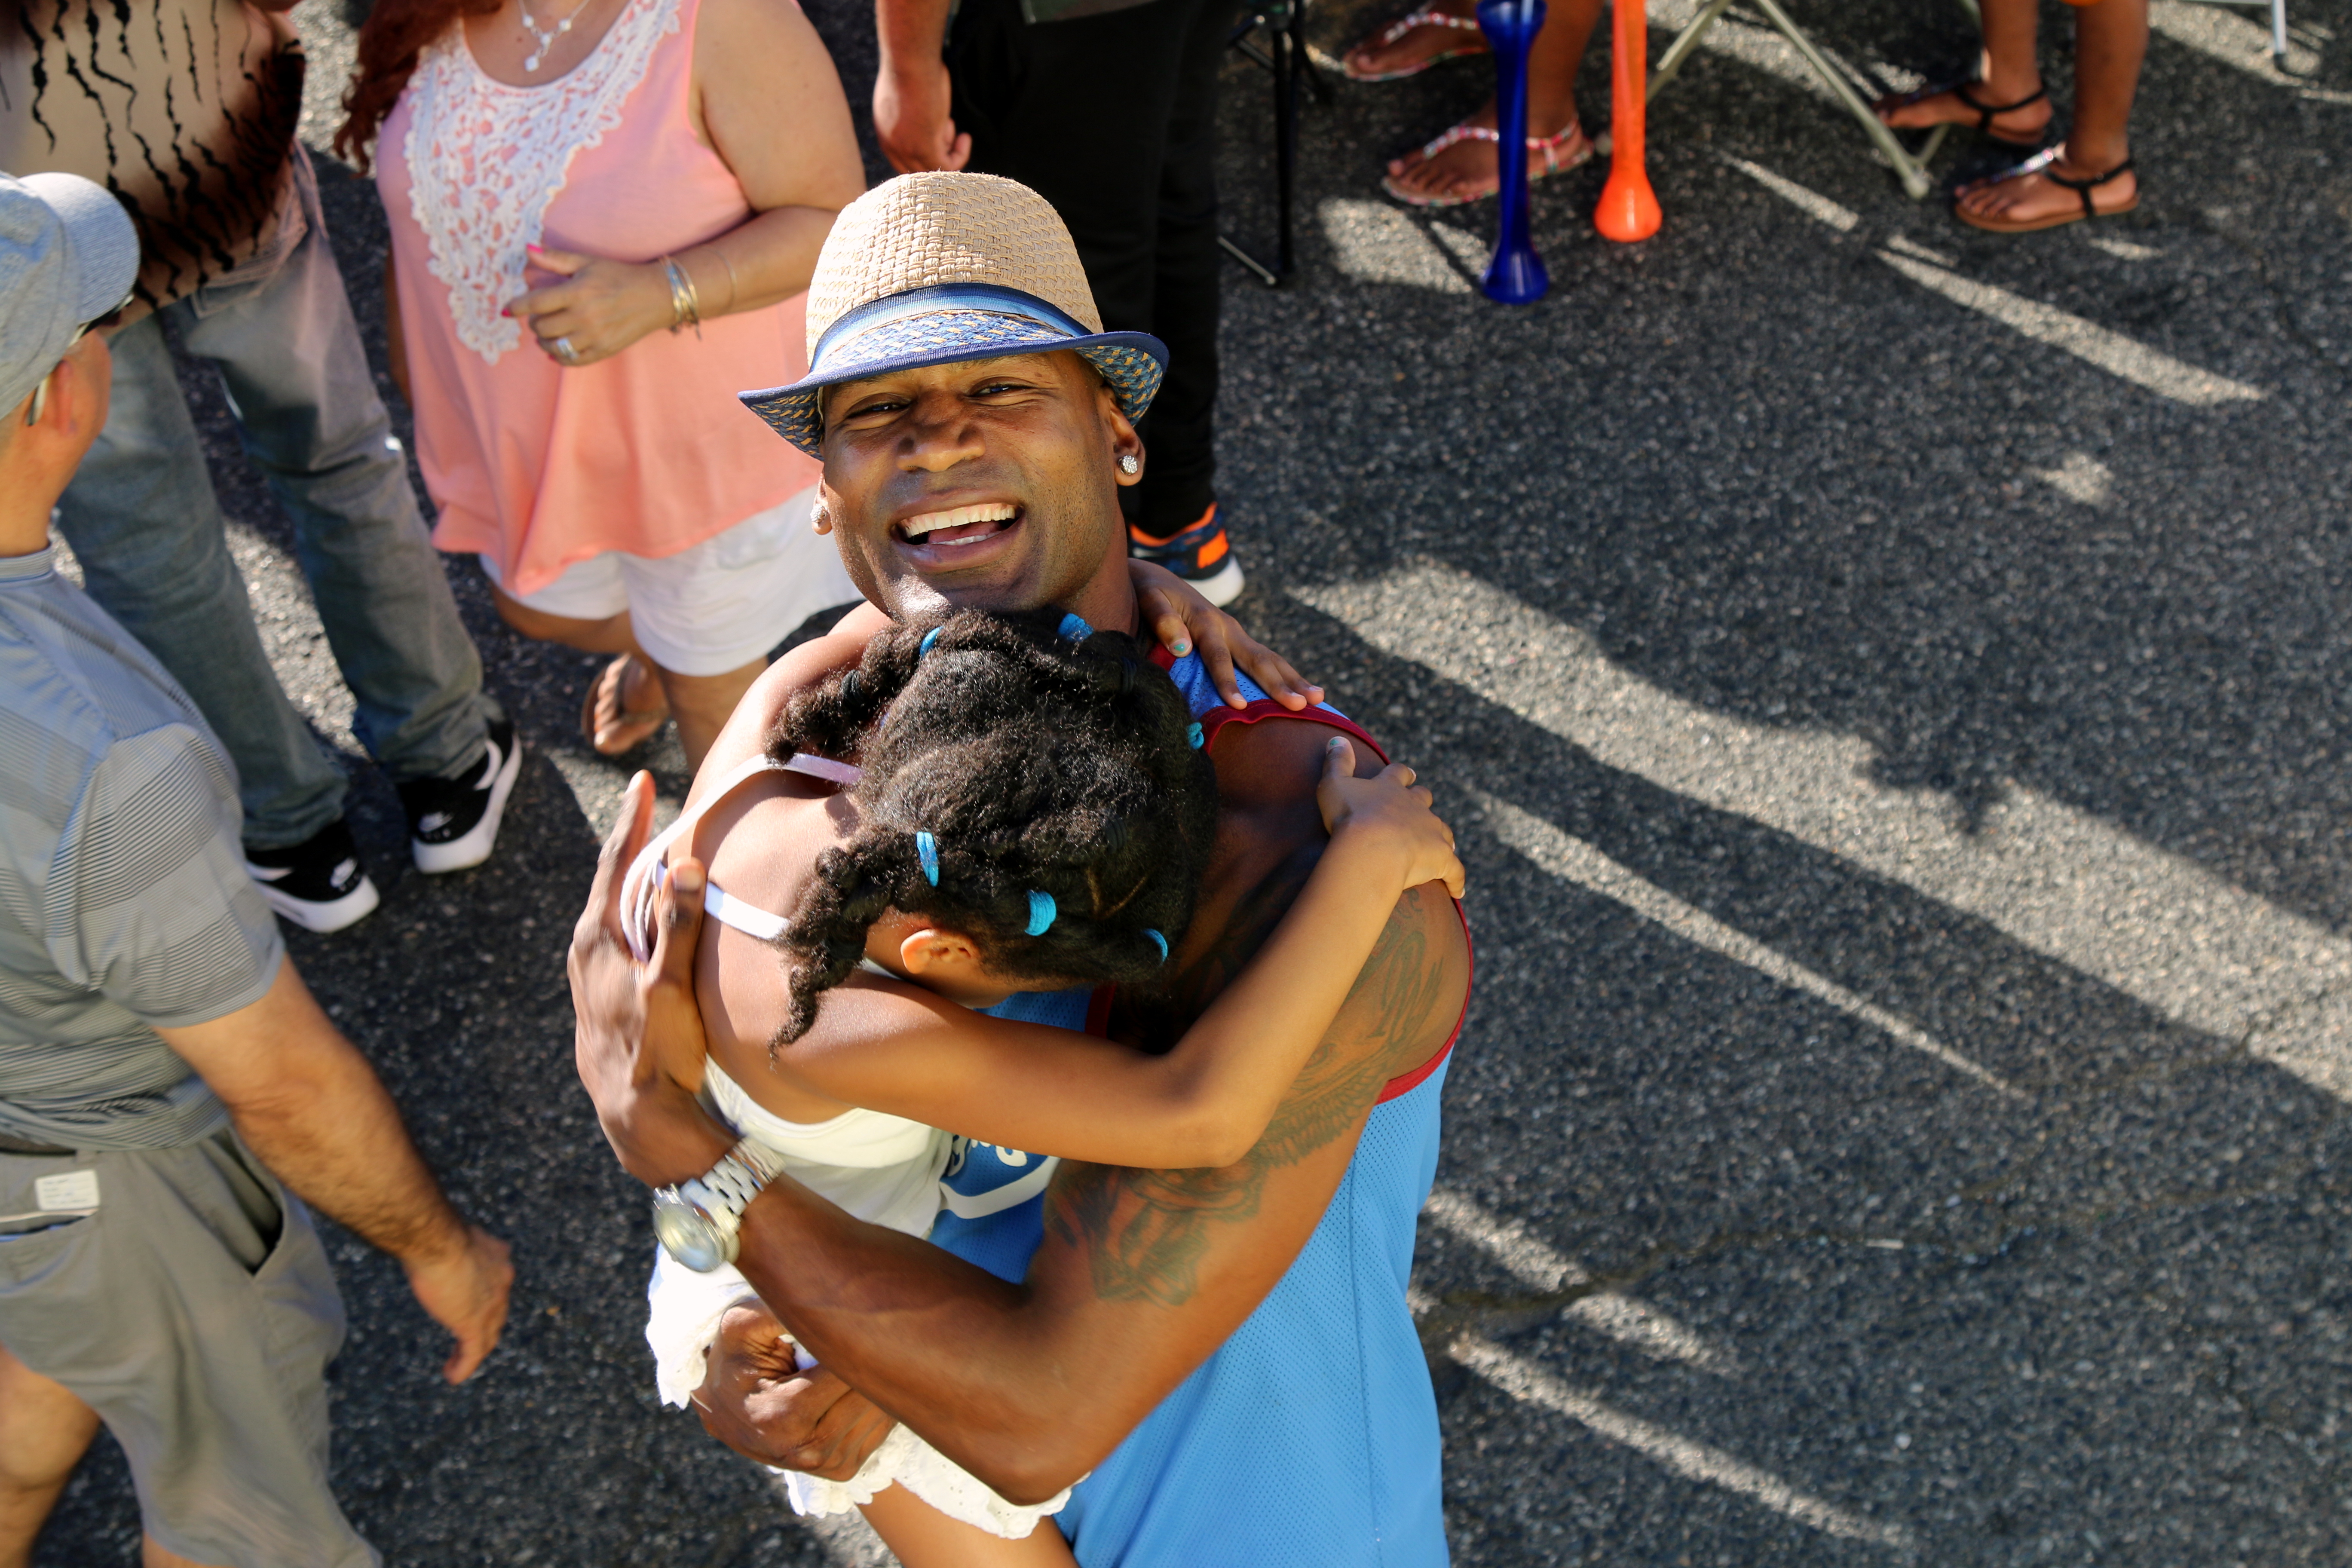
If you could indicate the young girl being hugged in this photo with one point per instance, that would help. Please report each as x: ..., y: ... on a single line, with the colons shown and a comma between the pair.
x: 1030, y: 810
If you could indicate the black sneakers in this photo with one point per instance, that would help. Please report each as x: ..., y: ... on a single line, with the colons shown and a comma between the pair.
x: 319, y: 884
x: 1200, y: 554
x: 453, y: 823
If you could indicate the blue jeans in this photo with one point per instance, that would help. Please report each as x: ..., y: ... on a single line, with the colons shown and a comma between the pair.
x: 142, y: 519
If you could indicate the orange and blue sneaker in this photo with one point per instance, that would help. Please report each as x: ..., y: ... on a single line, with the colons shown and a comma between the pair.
x: 1200, y: 554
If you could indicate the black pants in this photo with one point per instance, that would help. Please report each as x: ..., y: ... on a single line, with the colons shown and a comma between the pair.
x: 1113, y: 119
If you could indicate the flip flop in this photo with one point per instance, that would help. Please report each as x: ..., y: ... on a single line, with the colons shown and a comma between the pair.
x: 1549, y: 147
x: 2039, y: 165
x: 1985, y: 114
x: 638, y: 725
x: 1398, y: 29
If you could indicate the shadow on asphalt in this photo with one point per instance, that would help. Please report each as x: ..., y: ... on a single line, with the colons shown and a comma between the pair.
x: 1731, y: 1262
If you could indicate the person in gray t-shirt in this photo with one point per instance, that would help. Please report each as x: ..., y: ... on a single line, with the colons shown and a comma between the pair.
x: 161, y: 1066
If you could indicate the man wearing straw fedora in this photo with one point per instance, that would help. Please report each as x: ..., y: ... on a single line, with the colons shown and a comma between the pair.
x: 1225, y: 1356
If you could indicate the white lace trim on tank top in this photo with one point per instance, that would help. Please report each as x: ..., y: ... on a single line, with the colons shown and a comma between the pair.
x: 485, y: 159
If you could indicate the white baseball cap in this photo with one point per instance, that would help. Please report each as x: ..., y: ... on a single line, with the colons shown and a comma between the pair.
x: 68, y: 256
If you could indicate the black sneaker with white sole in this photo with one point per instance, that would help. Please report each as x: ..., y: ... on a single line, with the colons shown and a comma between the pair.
x: 453, y: 823
x: 319, y: 884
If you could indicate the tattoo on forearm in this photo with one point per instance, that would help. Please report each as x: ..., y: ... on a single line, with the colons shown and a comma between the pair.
x: 1145, y: 1232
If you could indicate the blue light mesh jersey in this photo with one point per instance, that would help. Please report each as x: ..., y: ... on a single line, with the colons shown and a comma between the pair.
x: 1309, y: 1439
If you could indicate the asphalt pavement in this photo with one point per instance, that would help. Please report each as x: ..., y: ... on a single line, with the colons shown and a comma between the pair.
x: 1890, y: 682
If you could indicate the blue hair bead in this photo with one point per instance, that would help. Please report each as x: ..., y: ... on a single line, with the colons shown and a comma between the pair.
x: 1041, y: 913
x: 927, y: 850
x: 1193, y: 737
x: 924, y: 646
x: 1075, y: 628
x: 1158, y: 942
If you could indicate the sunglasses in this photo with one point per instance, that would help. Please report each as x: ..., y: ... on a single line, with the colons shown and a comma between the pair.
x: 98, y: 323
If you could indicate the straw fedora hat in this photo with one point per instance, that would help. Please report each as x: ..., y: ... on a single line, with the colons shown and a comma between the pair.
x: 934, y: 268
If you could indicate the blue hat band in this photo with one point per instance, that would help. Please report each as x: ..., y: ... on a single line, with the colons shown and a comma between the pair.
x: 1018, y: 318
x: 945, y: 323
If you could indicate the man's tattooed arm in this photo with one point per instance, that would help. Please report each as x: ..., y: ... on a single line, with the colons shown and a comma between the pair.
x: 1144, y: 1233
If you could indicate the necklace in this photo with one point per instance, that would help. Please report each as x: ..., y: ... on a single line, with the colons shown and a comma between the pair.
x: 546, y: 36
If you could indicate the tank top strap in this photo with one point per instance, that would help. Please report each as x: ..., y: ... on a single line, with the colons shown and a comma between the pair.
x: 651, y: 867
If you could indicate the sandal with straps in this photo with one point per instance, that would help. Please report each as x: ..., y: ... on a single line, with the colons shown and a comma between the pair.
x: 1549, y: 148
x: 1985, y: 114
x: 2041, y: 164
x: 1424, y: 17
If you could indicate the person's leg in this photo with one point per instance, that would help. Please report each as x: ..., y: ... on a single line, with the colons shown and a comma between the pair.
x: 289, y: 352
x: 44, y: 1431
x: 701, y: 704
x: 2110, y: 44
x: 1470, y: 167
x: 1446, y: 30
x: 196, y: 1313
x: 635, y: 695
x: 708, y: 616
x: 1180, y: 477
x: 920, y: 1536
x: 2007, y: 74
x: 142, y: 521
x: 588, y: 608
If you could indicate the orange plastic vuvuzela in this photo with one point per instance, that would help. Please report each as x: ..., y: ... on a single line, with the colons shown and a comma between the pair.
x: 1629, y: 208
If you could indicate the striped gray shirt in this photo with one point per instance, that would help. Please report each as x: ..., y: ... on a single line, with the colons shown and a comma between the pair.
x: 124, y: 903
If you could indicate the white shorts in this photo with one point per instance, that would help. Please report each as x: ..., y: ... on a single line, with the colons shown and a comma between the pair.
x: 714, y: 607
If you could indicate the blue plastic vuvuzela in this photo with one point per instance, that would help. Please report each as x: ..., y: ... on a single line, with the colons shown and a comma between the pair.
x: 1516, y: 275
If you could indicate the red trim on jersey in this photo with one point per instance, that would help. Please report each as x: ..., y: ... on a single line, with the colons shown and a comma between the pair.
x: 1405, y: 1083
x: 1098, y: 1010
x: 1214, y: 721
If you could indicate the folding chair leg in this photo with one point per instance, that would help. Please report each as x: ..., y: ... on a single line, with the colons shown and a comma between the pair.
x: 2278, y: 34
x: 1911, y: 171
x: 1685, y: 42
x: 1285, y: 139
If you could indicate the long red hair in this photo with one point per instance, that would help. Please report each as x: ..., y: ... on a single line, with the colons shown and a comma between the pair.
x: 393, y: 38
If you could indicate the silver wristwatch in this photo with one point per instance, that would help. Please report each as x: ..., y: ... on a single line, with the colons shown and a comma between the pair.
x: 699, y: 1223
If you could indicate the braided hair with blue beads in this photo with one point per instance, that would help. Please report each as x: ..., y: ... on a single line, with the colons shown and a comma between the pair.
x: 1032, y: 782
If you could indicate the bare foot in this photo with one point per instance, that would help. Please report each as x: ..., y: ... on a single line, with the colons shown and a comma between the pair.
x: 1918, y: 110
x: 617, y: 718
x: 2032, y: 200
x: 1469, y: 166
x: 1397, y: 50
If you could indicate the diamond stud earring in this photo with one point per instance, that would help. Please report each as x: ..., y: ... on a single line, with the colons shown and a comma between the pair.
x: 1127, y: 463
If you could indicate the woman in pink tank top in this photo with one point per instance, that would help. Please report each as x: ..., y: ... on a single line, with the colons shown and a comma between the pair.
x: 605, y: 215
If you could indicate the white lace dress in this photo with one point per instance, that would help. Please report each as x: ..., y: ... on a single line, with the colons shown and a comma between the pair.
x: 883, y: 1169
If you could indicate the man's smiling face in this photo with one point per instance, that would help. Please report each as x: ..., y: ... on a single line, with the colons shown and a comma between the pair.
x: 988, y: 484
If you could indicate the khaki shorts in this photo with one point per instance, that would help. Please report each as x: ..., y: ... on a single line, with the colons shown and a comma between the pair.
x: 194, y: 1310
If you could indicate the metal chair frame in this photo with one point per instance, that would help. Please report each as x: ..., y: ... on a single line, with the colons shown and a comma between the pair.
x: 1910, y: 167
x: 2277, y: 9
x: 1284, y: 56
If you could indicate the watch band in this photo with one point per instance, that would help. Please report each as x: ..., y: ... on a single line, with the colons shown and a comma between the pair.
x: 736, y: 1180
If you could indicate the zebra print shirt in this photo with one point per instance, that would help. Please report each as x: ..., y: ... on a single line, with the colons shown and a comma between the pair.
x: 123, y: 899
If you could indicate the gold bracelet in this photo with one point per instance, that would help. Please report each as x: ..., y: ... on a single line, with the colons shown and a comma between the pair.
x: 734, y: 289
x: 685, y: 306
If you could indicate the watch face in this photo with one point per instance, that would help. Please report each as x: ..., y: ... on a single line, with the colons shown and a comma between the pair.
x: 687, y: 1234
